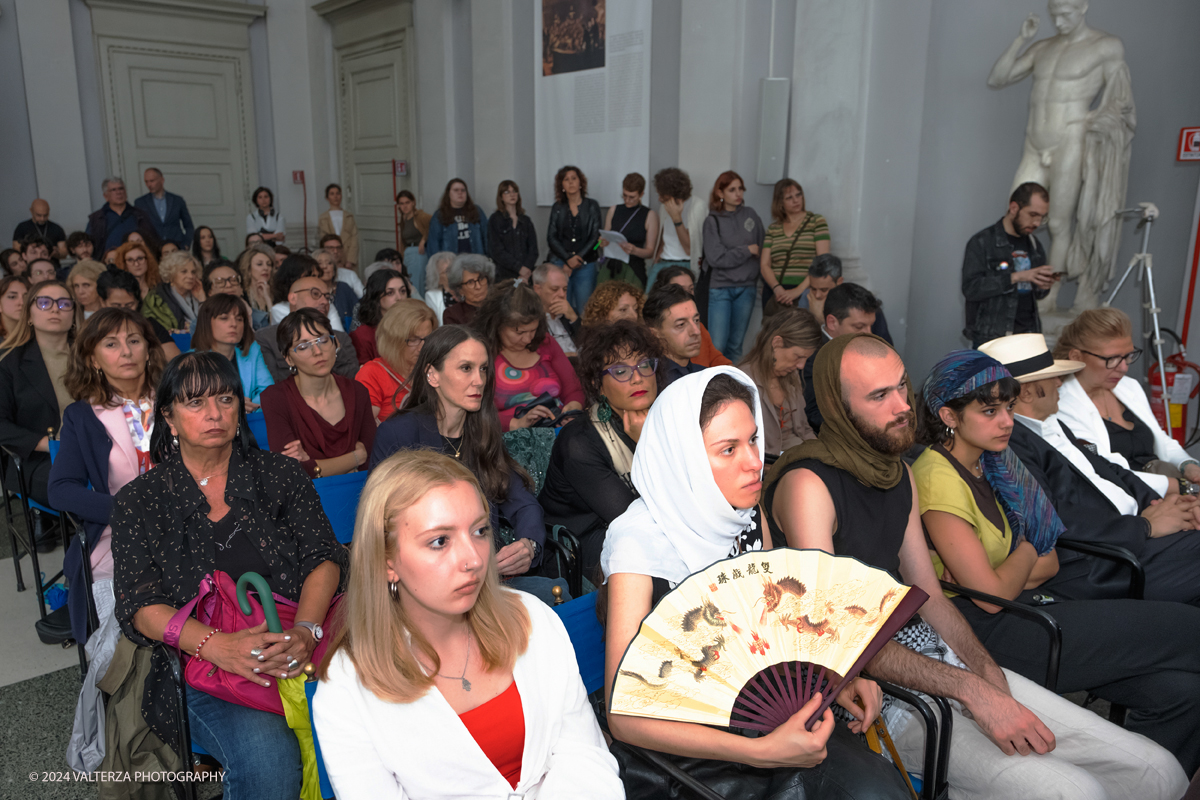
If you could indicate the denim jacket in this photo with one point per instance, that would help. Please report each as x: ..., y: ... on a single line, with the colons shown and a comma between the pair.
x: 990, y: 293
x: 445, y: 237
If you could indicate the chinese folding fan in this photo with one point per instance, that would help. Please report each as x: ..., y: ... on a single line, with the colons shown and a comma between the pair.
x: 747, y: 641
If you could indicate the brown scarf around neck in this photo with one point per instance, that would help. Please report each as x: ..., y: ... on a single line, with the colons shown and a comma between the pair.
x: 839, y: 444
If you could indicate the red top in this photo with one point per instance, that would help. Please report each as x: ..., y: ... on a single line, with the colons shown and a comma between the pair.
x: 289, y: 418
x: 498, y: 727
x: 364, y: 343
x: 386, y: 388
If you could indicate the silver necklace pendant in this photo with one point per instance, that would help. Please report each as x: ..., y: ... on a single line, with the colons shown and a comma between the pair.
x: 204, y: 482
x: 466, y: 685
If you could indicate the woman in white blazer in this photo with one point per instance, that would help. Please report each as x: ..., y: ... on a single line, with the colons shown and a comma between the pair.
x: 1104, y: 406
x: 264, y: 220
x: 439, y: 683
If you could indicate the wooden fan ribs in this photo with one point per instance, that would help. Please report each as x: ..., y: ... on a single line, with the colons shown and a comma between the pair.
x: 757, y: 636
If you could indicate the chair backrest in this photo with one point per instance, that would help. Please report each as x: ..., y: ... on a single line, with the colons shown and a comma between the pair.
x: 54, y: 445
x: 258, y: 426
x: 183, y: 341
x: 339, y: 497
x: 531, y: 448
x: 587, y: 636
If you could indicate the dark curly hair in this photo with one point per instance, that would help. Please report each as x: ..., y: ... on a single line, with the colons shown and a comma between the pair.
x: 510, y: 304
x: 930, y: 428
x: 561, y: 196
x: 673, y: 182
x: 369, y: 310
x: 608, y: 341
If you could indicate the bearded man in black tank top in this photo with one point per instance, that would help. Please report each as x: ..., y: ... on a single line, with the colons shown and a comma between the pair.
x: 850, y: 493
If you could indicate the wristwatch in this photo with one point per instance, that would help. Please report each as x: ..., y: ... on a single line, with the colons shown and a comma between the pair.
x: 313, y: 628
x: 537, y: 548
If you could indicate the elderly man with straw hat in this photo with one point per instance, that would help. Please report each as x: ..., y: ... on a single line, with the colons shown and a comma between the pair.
x: 1097, y: 500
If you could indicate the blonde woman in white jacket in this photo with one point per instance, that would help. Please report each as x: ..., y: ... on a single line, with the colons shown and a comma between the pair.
x: 1103, y: 405
x: 440, y: 684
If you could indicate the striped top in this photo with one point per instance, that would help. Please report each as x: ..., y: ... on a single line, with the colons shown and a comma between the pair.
x: 792, y: 255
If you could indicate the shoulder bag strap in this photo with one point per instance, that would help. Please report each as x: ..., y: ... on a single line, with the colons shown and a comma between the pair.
x: 787, y: 259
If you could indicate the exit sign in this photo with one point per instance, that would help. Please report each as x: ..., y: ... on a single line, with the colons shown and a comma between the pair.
x: 297, y: 176
x: 1189, y: 145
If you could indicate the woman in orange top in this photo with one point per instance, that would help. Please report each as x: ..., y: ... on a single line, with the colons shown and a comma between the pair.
x: 399, y: 337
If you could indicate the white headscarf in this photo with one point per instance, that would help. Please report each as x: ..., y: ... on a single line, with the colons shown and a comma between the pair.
x: 682, y: 522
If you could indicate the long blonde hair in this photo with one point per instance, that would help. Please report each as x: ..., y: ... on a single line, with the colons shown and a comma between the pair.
x: 397, y: 325
x: 243, y: 267
x: 23, y: 333
x: 373, y: 628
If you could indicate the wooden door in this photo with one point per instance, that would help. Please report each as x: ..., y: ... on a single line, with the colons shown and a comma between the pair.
x: 375, y: 129
x: 186, y: 113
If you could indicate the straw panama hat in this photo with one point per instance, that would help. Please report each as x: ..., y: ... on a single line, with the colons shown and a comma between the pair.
x: 1028, y: 358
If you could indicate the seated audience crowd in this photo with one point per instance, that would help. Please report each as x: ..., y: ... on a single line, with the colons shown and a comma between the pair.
x: 523, y: 429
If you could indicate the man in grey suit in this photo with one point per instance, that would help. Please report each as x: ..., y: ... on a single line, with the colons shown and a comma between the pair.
x: 169, y: 212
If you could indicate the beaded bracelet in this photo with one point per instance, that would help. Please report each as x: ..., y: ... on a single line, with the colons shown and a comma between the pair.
x: 205, y: 639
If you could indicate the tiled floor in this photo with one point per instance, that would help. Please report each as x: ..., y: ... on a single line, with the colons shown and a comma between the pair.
x: 24, y: 655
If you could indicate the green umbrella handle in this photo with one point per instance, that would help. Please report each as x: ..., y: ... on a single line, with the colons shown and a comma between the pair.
x: 264, y: 597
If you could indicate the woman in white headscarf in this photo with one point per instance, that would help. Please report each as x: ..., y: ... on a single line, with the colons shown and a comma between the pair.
x: 698, y: 470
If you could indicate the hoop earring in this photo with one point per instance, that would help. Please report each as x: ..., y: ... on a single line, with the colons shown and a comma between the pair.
x: 394, y: 590
x: 951, y: 434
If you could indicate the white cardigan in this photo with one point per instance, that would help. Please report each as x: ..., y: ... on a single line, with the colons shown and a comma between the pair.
x: 1080, y: 414
x: 374, y: 749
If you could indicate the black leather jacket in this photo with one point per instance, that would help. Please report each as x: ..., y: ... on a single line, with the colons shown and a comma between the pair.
x: 558, y: 233
x: 990, y: 293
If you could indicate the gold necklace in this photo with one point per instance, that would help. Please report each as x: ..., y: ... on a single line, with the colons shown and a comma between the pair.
x: 457, y: 450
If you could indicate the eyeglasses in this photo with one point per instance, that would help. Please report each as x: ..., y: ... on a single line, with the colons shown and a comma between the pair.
x: 224, y: 281
x: 139, y: 259
x: 475, y: 283
x: 623, y: 373
x: 317, y: 294
x: 415, y: 341
x: 1111, y: 362
x: 45, y: 303
x: 320, y: 341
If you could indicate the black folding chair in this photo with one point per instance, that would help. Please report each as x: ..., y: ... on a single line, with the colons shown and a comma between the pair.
x: 25, y: 540
x: 1045, y: 620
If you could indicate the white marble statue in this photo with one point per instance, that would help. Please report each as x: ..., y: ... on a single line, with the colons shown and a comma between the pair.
x: 1077, y: 141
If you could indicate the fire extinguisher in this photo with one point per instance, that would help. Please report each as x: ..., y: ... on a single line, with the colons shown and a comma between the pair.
x: 1175, y: 364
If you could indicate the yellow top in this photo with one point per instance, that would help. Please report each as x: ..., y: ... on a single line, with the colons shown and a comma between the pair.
x: 941, y: 488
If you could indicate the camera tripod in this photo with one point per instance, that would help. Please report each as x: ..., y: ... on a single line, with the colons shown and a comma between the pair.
x: 1144, y: 263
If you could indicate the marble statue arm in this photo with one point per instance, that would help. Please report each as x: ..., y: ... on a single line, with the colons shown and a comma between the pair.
x: 1117, y: 96
x: 1010, y: 68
